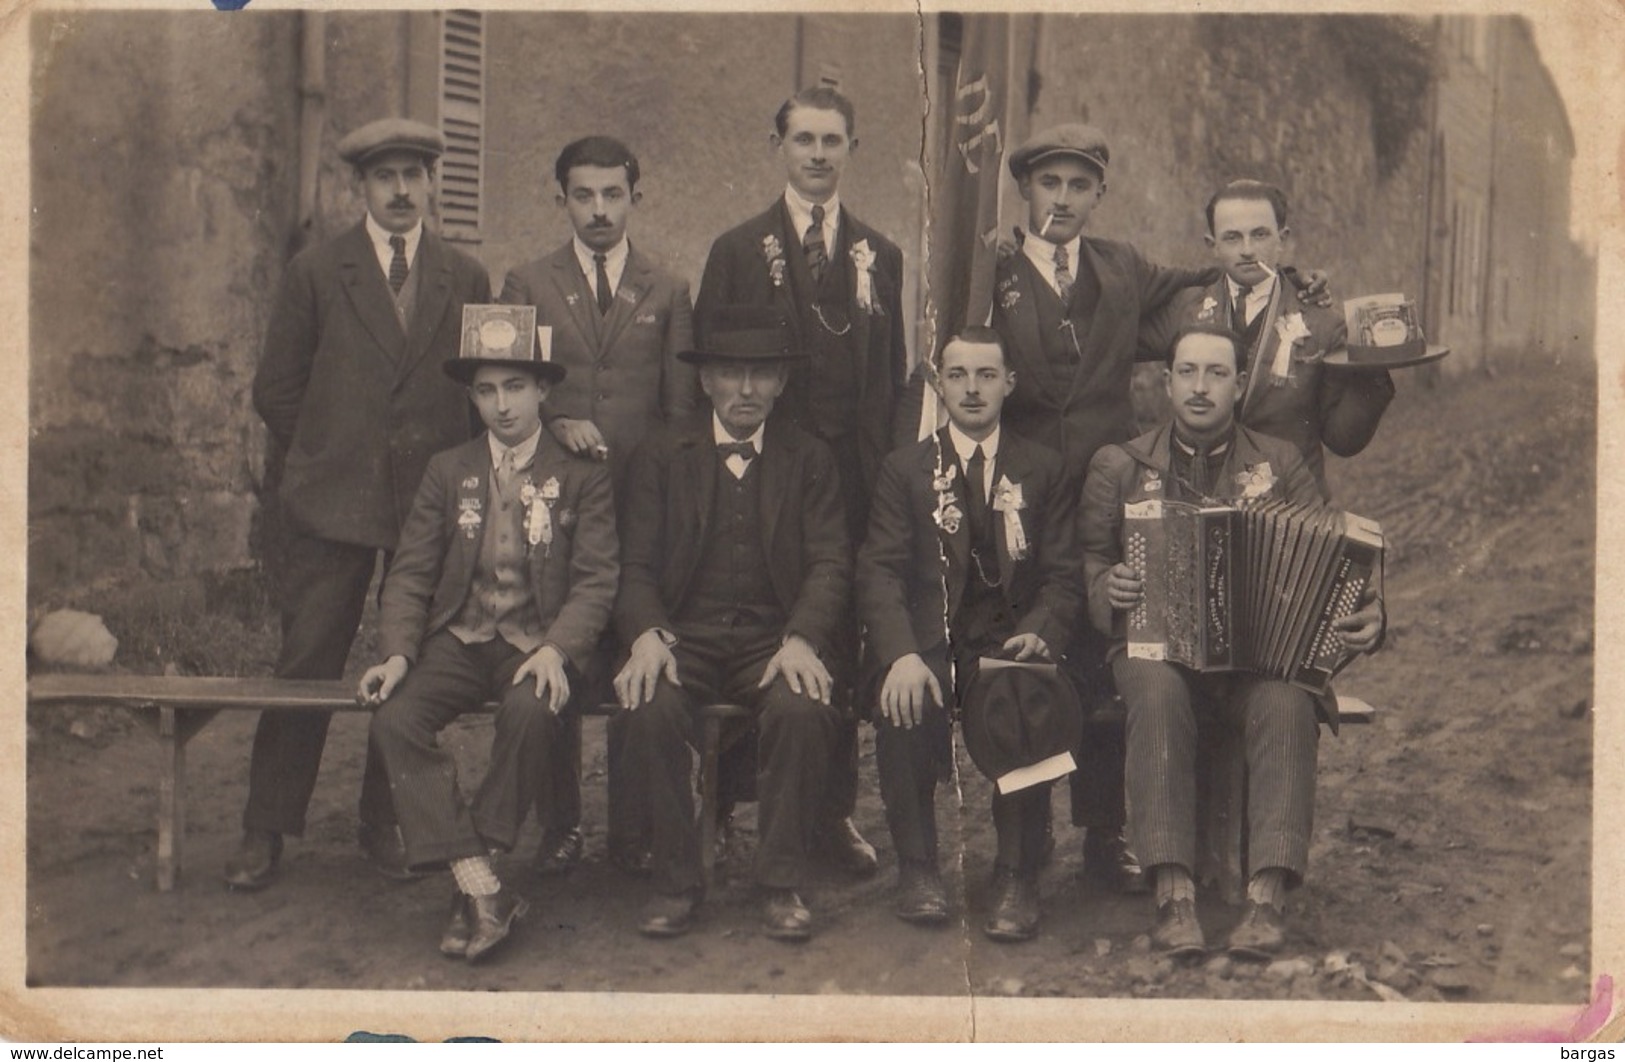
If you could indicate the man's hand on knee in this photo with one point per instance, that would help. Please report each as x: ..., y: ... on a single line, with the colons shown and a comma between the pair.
x: 380, y: 680
x: 649, y: 659
x: 798, y: 662
x: 903, y: 695
x: 546, y: 666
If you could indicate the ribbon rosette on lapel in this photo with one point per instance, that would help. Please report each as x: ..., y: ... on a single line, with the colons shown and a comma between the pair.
x: 1209, y: 306
x: 948, y: 513
x: 863, y: 261
x: 1007, y: 499
x: 468, y: 519
x: 1291, y: 331
x: 773, y: 252
x: 539, y: 514
x: 1255, y: 481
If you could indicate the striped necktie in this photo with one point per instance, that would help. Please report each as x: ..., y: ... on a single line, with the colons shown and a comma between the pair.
x: 397, y: 264
x: 813, y: 244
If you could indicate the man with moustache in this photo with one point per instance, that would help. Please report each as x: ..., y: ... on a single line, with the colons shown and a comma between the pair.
x: 840, y: 283
x: 350, y: 388
x: 618, y: 322
x: 1204, y: 456
x: 736, y: 577
x: 973, y: 526
x: 1290, y: 394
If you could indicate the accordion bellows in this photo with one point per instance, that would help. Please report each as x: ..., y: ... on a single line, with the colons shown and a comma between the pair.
x: 1252, y: 586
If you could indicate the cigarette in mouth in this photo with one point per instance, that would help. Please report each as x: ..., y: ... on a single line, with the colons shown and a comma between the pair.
x: 1048, y: 219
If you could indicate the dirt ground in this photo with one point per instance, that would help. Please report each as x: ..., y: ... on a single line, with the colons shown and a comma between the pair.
x: 1451, y: 859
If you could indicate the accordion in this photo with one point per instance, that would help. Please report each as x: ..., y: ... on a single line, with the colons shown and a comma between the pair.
x: 1252, y: 586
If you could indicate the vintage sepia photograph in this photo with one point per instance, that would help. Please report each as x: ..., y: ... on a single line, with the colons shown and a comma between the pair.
x: 852, y: 524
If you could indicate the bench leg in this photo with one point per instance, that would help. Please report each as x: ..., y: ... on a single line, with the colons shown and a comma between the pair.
x: 710, y: 748
x: 171, y: 798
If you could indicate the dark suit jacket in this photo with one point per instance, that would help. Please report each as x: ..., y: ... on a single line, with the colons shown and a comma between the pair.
x: 1314, y: 406
x: 672, y: 491
x: 573, y: 580
x: 624, y: 374
x: 1077, y: 416
x: 358, y: 405
x: 738, y: 271
x: 901, y: 579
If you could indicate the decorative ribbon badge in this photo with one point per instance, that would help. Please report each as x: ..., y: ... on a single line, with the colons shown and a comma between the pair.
x: 1255, y: 481
x: 1007, y: 499
x: 469, y: 519
x: 863, y: 258
x: 948, y: 513
x: 1291, y: 331
x: 1152, y: 481
x: 1209, y: 306
x: 773, y: 252
x: 539, y: 514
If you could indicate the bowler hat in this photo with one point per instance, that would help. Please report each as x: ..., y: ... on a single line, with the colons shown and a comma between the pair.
x: 391, y: 134
x: 500, y: 336
x: 1074, y: 140
x: 1021, y: 723
x: 744, y: 333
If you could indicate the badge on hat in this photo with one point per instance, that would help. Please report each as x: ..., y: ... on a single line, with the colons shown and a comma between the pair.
x: 502, y: 336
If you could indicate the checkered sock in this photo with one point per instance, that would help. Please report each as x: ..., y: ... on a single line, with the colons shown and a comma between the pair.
x: 1268, y: 887
x: 475, y: 876
x: 1174, y: 883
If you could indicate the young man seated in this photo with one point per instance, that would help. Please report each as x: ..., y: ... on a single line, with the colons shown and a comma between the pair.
x: 1204, y: 455
x: 738, y: 571
x: 971, y: 552
x: 505, y: 576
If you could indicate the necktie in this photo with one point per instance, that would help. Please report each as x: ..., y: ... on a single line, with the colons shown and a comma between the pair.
x: 1238, y: 312
x: 605, y: 296
x: 813, y: 244
x: 505, y: 472
x: 1063, y: 275
x: 974, y: 473
x: 397, y: 264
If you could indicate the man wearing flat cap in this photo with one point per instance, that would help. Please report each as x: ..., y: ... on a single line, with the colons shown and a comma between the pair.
x: 736, y: 579
x: 839, y: 282
x: 974, y: 524
x: 502, y: 584
x: 350, y: 388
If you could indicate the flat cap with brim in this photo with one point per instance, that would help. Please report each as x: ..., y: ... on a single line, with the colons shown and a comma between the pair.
x: 1021, y: 723
x: 391, y: 134
x: 744, y: 333
x: 1073, y: 140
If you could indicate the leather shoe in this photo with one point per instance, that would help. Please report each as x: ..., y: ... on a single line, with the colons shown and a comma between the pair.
x: 1014, y: 916
x: 668, y: 916
x: 921, y: 899
x: 1260, y: 933
x: 386, y: 848
x: 842, y: 844
x: 1107, y: 859
x: 493, y: 918
x: 454, y: 942
x: 253, y: 866
x: 1178, y: 932
x: 637, y: 862
x: 560, y: 851
x: 785, y: 917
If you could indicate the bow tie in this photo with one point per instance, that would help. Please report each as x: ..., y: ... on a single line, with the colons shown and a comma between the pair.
x: 745, y: 451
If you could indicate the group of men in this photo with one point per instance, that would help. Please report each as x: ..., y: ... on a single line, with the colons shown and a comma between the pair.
x: 671, y: 520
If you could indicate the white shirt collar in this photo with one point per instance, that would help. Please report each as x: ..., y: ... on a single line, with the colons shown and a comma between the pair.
x: 614, y: 258
x: 1255, y: 295
x: 523, y: 454
x: 380, y: 243
x: 964, y: 445
x: 1042, y: 254
x: 801, y: 215
x: 722, y: 435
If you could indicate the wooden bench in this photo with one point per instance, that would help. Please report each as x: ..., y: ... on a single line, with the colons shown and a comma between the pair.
x: 177, y: 708
x: 1221, y: 801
